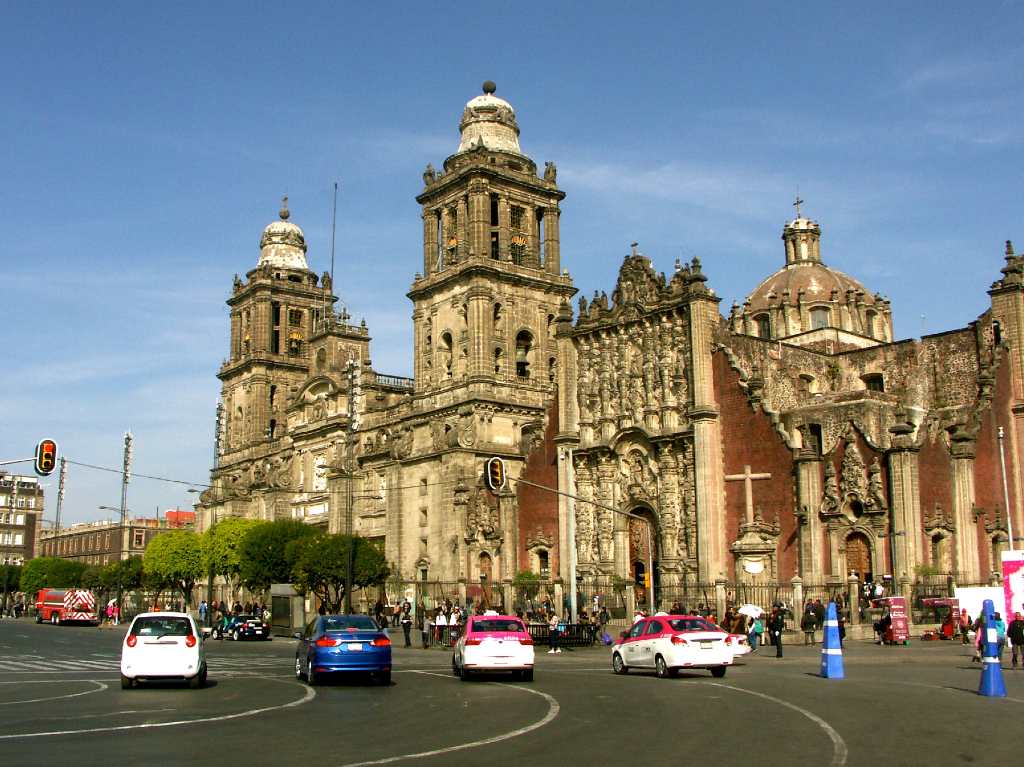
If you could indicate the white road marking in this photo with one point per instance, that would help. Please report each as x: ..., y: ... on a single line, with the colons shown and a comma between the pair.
x: 100, y: 686
x: 839, y: 750
x: 553, y: 709
x: 310, y: 693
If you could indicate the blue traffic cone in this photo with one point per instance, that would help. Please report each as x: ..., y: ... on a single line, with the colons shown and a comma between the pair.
x: 992, y: 684
x: 831, y: 651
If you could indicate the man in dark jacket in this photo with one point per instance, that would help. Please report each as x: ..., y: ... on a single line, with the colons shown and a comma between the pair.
x: 1015, y: 635
x: 776, y: 625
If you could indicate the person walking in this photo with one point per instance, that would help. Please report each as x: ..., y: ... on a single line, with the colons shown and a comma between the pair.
x: 965, y: 625
x: 808, y: 623
x: 1000, y: 627
x: 553, y: 633
x: 407, y: 623
x: 776, y: 625
x: 1015, y: 635
x: 756, y: 629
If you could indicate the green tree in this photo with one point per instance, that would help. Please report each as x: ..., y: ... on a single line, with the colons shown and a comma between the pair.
x: 527, y: 583
x: 321, y: 566
x: 51, y: 573
x: 264, y: 554
x: 221, y: 547
x: 174, y: 560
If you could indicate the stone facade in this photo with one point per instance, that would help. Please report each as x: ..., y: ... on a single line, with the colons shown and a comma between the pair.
x: 793, y: 437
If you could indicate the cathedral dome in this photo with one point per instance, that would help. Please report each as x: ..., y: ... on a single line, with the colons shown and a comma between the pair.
x: 817, y: 283
x: 489, y: 121
x: 806, y: 295
x: 283, y: 244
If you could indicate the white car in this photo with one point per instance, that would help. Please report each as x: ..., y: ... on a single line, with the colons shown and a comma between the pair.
x: 668, y: 643
x: 493, y: 642
x: 163, y: 646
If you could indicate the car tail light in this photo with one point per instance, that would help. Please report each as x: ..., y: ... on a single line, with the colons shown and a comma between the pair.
x: 525, y: 640
x: 472, y: 640
x: 381, y: 642
x: 327, y: 642
x: 190, y: 641
x: 679, y: 640
x: 132, y: 639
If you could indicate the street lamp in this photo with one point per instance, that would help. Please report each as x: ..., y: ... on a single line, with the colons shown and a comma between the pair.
x: 120, y: 553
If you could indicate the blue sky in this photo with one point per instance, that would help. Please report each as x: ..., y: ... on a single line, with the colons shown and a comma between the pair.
x: 146, y: 146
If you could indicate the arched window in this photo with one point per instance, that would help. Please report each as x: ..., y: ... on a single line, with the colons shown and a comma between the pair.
x: 446, y: 342
x: 524, y: 345
x: 552, y: 369
x: 498, y: 361
x: 543, y: 564
x: 819, y: 317
x: 873, y: 381
x: 764, y: 325
x: 497, y: 313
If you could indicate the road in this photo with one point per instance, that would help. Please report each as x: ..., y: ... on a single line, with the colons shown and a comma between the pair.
x: 61, y: 704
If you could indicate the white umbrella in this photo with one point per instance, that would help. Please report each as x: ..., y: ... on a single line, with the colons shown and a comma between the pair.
x: 752, y: 611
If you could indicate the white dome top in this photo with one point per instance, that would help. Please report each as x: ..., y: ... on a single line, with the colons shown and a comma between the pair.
x: 489, y: 121
x: 283, y: 244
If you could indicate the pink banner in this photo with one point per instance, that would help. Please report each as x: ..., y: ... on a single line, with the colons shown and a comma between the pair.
x: 1013, y: 583
x: 898, y: 613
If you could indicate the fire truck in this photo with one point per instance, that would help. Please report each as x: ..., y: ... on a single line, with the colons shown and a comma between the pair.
x: 62, y: 605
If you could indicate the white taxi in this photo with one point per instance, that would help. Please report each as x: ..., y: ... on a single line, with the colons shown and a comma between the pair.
x: 493, y: 642
x: 163, y: 646
x: 668, y: 643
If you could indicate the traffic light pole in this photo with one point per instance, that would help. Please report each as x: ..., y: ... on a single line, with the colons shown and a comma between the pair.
x: 649, y: 524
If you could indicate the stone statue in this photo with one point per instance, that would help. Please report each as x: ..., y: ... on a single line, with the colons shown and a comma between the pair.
x: 876, y: 495
x: 429, y: 175
x: 830, y: 495
x: 550, y: 172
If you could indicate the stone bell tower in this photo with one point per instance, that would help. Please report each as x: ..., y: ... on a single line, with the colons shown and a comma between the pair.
x: 491, y: 286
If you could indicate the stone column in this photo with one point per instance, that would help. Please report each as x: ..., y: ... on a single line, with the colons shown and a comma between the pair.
x: 798, y: 592
x: 504, y: 228
x: 707, y: 442
x: 853, y: 598
x: 720, y: 584
x: 963, y: 450
x: 906, y: 521
x: 429, y: 241
x: 552, y: 247
x: 479, y: 318
x: 462, y: 229
x: 479, y: 215
x: 808, y: 487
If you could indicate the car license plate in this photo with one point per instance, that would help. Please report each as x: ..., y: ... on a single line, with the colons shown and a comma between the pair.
x: 355, y: 646
x: 259, y: 631
x: 705, y: 645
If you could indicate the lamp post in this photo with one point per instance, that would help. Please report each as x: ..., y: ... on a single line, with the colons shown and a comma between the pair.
x: 121, y: 546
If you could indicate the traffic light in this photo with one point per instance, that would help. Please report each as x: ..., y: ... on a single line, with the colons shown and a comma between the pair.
x: 495, y: 473
x: 46, y: 457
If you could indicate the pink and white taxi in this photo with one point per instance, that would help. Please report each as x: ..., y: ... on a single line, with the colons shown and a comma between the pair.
x: 668, y: 643
x: 493, y: 642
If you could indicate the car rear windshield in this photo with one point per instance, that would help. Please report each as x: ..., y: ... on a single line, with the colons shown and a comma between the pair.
x: 497, y: 625
x: 691, y: 624
x: 172, y: 627
x: 350, y: 623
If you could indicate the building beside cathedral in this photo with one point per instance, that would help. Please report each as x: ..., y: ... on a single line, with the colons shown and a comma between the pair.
x: 794, y: 438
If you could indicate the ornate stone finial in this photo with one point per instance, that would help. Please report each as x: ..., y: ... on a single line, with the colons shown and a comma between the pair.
x: 1009, y: 247
x: 632, y: 247
x: 679, y: 265
x: 489, y: 86
x: 284, y: 213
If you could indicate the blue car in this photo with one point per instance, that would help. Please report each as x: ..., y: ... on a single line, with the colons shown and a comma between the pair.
x: 342, y: 643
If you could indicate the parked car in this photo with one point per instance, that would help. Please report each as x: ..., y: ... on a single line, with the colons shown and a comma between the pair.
x: 493, y: 642
x: 343, y: 643
x: 668, y: 643
x: 163, y: 646
x: 239, y: 627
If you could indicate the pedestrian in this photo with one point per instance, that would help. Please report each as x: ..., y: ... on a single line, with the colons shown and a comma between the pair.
x: 553, y: 633
x: 776, y: 625
x: 396, y: 614
x: 116, y: 613
x: 638, y: 615
x: 756, y: 629
x: 808, y: 623
x: 979, y: 636
x: 407, y: 623
x: 965, y: 625
x: 203, y: 611
x: 427, y: 628
x: 1000, y: 627
x: 1015, y: 634
x: 110, y: 613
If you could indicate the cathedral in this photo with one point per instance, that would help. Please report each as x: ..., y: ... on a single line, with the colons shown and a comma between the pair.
x: 789, y: 440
